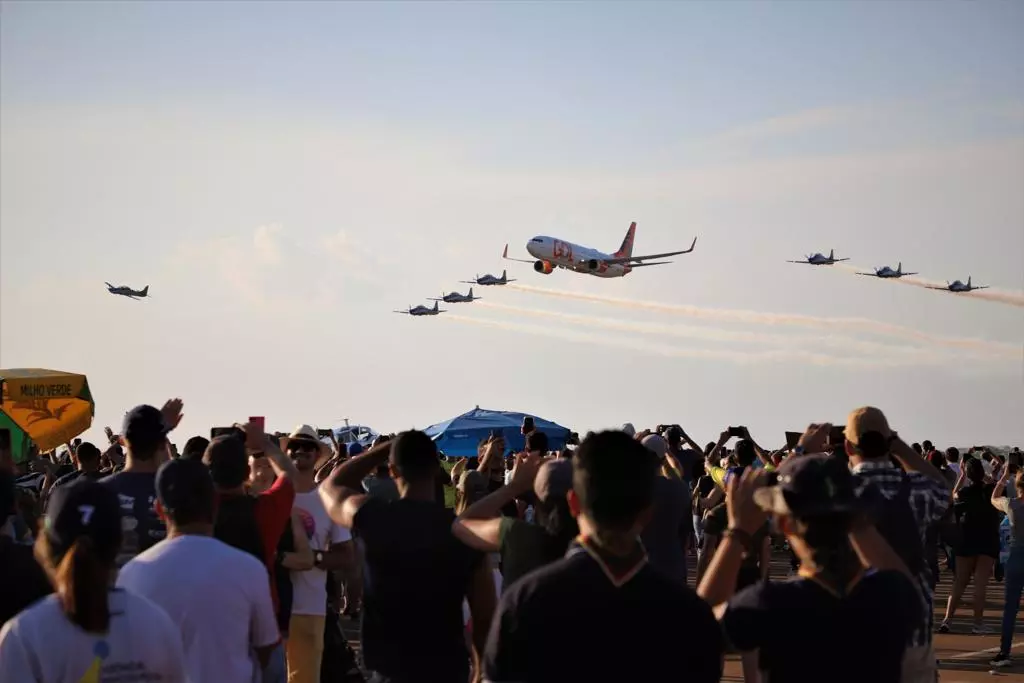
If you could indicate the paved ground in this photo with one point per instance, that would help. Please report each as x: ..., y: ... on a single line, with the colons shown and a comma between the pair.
x: 963, y: 657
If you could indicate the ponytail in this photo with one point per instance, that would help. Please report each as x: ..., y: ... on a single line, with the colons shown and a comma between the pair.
x: 81, y: 579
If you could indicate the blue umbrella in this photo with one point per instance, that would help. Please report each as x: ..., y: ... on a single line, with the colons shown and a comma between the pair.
x: 460, y: 435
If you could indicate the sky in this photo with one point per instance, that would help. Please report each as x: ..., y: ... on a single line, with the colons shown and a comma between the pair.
x: 285, y: 175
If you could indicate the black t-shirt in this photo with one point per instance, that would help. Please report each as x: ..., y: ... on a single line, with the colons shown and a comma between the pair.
x: 802, y: 628
x: 22, y: 580
x: 72, y: 477
x: 717, y: 522
x: 979, y: 520
x: 524, y: 547
x: 583, y: 619
x: 416, y: 577
x: 142, y: 527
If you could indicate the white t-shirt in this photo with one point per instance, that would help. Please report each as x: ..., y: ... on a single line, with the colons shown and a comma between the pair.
x: 219, y: 598
x: 309, y: 588
x: 41, y: 645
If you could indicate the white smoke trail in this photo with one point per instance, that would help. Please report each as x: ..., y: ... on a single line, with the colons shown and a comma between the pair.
x: 993, y: 295
x: 740, y: 357
x: 998, y: 296
x: 910, y: 353
x: 862, y: 325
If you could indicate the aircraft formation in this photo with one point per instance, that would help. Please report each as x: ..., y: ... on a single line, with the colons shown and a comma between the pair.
x: 550, y: 253
x: 886, y: 272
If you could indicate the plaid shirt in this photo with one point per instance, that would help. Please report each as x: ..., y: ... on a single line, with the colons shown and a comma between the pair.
x: 929, y: 499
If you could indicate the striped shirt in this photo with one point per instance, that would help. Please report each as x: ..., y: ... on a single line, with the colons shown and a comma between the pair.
x: 929, y: 500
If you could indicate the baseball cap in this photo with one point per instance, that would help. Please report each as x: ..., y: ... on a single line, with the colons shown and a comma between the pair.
x: 83, y: 508
x: 354, y: 449
x: 144, y: 426
x: 864, y: 421
x: 655, y: 444
x: 554, y: 480
x: 180, y: 484
x: 810, y: 485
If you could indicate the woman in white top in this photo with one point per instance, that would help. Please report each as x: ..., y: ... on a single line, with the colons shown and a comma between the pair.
x: 86, y: 632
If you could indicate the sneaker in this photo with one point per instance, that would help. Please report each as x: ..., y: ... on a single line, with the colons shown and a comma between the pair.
x: 980, y: 630
x: 1000, y: 660
x: 943, y: 628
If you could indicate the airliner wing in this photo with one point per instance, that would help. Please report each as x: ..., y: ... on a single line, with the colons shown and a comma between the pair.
x: 630, y: 259
x: 651, y: 263
x: 505, y: 256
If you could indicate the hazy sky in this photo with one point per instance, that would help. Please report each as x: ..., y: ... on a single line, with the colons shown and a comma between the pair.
x: 283, y: 176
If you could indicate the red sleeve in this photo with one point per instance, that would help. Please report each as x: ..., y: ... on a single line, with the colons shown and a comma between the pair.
x: 274, y: 510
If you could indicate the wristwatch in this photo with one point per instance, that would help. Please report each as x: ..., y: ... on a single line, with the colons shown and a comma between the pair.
x: 318, y: 558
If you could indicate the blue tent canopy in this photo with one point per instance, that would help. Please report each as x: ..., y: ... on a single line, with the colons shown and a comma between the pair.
x: 460, y: 435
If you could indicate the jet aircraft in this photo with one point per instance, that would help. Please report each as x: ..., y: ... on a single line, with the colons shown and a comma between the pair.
x: 887, y: 272
x: 819, y: 260
x: 957, y: 286
x: 554, y: 253
x: 423, y: 310
x: 128, y: 291
x: 489, y: 280
x: 456, y: 298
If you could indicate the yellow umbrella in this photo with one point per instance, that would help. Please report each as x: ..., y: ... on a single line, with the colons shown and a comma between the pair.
x: 48, y: 407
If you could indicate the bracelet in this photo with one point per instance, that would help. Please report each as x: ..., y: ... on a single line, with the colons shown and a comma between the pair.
x: 745, y: 539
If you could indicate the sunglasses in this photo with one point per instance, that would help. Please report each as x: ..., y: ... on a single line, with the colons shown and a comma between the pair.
x: 298, y: 446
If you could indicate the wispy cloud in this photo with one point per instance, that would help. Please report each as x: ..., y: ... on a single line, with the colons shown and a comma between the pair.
x: 789, y: 125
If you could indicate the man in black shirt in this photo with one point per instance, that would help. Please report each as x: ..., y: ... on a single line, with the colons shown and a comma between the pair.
x: 417, y: 573
x: 853, y: 591
x: 87, y: 457
x: 603, y: 613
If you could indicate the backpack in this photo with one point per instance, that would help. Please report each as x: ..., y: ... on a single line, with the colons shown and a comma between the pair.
x: 898, y: 526
x: 236, y: 525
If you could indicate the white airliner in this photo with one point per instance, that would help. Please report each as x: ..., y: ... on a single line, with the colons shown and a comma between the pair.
x: 887, y: 272
x: 957, y: 286
x: 422, y: 310
x: 820, y: 260
x: 554, y: 253
x: 456, y: 298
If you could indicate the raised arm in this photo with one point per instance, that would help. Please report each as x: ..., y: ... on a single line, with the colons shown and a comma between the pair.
x: 342, y: 491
